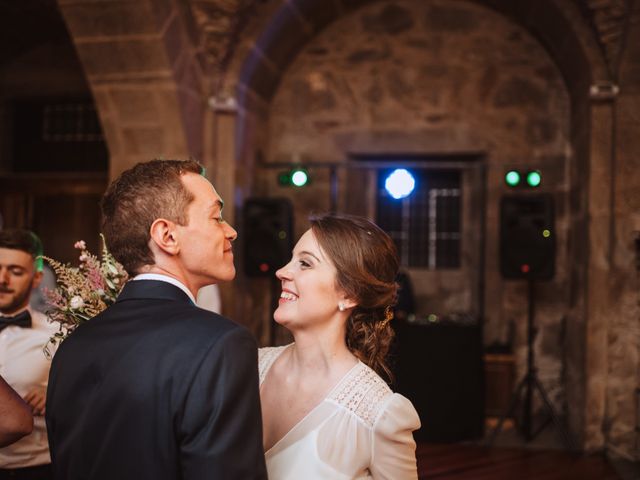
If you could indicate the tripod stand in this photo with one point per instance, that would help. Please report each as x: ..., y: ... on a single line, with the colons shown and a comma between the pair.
x: 528, y: 384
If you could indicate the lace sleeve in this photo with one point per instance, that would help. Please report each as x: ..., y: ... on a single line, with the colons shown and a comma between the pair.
x: 394, y: 449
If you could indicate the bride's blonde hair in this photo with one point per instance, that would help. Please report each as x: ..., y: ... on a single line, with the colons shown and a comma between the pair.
x: 367, y: 264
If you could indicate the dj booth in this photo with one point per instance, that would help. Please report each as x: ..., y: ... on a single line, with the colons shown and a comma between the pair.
x: 439, y: 367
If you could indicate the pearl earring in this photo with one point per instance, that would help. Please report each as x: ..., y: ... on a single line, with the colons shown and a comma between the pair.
x: 341, y: 306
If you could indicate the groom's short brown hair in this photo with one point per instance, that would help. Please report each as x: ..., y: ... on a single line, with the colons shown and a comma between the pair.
x: 138, y: 197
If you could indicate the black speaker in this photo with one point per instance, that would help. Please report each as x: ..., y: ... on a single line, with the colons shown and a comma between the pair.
x: 527, y: 237
x: 268, y: 235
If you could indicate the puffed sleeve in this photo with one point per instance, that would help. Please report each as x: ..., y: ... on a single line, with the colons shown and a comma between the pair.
x: 394, y: 449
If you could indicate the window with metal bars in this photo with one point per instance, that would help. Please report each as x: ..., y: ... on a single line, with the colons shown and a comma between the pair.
x: 70, y: 122
x: 57, y: 135
x: 426, y: 225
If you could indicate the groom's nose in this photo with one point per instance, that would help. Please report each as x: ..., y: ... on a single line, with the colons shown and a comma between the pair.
x: 230, y: 233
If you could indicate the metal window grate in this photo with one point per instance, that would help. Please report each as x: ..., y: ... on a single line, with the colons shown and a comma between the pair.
x: 70, y: 122
x: 426, y: 225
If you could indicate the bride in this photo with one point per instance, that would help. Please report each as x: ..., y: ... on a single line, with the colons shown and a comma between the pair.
x: 327, y: 412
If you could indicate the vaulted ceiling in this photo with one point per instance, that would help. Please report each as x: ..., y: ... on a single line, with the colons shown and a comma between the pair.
x: 219, y: 23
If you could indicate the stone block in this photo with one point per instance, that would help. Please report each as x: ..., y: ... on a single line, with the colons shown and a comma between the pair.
x: 123, y: 57
x: 519, y: 92
x: 174, y: 41
x: 446, y: 18
x: 391, y: 20
x: 148, y: 141
x: 353, y: 4
x: 259, y: 76
x: 192, y: 109
x: 312, y: 98
x: 134, y: 106
x: 371, y: 55
x: 318, y: 14
x: 284, y: 37
x: 112, y: 19
x: 541, y: 130
x: 112, y: 136
x: 162, y: 9
x: 188, y: 75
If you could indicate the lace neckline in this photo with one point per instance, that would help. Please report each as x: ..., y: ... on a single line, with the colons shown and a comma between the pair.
x: 329, y: 395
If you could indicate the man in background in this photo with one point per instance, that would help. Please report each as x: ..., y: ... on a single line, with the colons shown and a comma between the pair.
x: 23, y: 364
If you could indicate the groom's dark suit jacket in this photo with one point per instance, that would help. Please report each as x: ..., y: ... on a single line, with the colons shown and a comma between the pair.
x: 155, y: 388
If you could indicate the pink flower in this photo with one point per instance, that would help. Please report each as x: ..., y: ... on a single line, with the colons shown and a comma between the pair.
x: 80, y: 245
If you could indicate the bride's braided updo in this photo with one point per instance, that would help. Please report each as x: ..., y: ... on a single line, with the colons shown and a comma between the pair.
x: 366, y: 261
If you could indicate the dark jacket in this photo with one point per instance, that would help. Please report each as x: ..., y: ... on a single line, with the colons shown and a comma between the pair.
x: 155, y: 388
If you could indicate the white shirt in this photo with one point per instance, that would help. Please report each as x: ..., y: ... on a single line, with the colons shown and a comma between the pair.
x: 166, y: 278
x: 24, y: 366
x: 209, y: 298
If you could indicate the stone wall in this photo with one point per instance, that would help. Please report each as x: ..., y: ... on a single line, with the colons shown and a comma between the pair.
x: 621, y: 296
x: 432, y: 78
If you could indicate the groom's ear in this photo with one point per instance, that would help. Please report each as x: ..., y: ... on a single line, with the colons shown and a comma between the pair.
x: 164, y: 237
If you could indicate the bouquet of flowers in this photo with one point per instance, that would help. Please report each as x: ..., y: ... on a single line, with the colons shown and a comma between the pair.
x: 83, y: 291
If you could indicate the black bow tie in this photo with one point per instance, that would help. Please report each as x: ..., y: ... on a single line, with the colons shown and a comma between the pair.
x: 23, y: 319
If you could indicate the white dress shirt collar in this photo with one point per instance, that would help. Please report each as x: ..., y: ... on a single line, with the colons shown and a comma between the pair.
x: 165, y: 278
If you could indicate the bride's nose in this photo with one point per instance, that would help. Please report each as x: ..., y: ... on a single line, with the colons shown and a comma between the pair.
x: 283, y: 273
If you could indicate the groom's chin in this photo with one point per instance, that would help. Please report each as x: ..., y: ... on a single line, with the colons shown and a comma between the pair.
x: 228, y: 275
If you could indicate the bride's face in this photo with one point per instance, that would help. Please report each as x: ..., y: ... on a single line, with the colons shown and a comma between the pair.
x: 309, y: 297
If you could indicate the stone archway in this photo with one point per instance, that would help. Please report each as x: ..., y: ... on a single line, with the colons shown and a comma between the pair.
x: 145, y: 78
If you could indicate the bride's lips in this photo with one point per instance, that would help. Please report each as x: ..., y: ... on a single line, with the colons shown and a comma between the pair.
x: 283, y: 300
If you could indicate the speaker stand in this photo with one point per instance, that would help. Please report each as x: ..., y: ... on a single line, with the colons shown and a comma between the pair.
x: 528, y: 385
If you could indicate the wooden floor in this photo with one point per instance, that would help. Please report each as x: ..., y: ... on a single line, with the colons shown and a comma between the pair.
x: 468, y: 462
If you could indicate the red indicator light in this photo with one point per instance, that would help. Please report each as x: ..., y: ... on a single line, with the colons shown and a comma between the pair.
x: 264, y: 267
x: 524, y: 268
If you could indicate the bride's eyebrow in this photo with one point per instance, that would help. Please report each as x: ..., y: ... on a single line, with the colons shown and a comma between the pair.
x: 305, y: 252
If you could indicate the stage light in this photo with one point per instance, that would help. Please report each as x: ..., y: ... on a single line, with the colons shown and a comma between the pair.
x: 400, y: 183
x: 534, y: 178
x: 297, y: 177
x: 512, y: 178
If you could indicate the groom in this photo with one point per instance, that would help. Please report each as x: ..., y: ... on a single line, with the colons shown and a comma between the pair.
x: 155, y: 387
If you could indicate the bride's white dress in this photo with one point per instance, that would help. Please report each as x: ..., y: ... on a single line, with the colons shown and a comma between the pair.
x: 360, y: 430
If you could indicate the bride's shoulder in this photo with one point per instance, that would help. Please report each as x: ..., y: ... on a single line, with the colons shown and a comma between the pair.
x: 364, y: 393
x: 266, y: 357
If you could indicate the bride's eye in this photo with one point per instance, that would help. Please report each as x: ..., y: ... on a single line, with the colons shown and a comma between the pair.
x: 304, y: 264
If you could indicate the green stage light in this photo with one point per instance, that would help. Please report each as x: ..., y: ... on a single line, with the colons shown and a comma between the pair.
x: 299, y: 177
x: 512, y: 178
x: 534, y: 178
x: 284, y: 179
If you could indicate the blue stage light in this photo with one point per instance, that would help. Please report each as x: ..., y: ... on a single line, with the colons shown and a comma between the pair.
x: 400, y: 183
